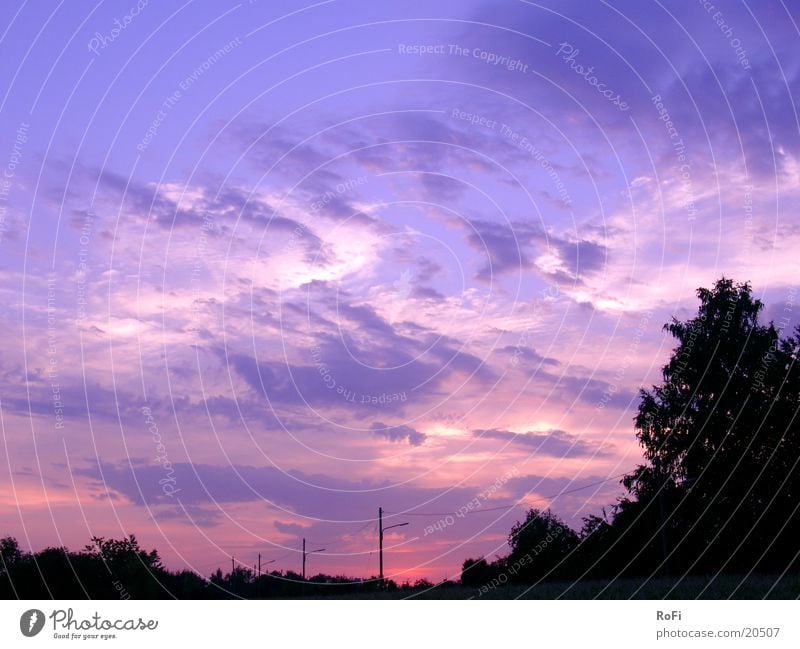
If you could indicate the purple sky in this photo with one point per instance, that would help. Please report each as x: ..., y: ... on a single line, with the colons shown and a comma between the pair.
x: 268, y: 266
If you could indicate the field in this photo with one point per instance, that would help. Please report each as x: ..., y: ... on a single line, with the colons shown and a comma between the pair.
x: 723, y: 587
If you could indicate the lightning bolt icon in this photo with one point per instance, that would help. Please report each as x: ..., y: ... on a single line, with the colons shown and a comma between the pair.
x: 32, y: 621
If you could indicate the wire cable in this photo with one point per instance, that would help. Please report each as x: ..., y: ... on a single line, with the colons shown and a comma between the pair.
x: 511, y: 506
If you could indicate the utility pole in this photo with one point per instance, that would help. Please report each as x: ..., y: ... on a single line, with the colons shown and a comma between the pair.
x: 381, y: 530
x: 232, y: 565
x: 258, y: 579
x: 304, y: 556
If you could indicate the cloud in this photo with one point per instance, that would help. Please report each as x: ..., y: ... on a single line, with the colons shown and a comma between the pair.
x: 571, y: 495
x: 582, y: 257
x: 553, y: 443
x: 503, y: 245
x: 313, y: 505
x: 215, y: 488
x: 529, y: 355
x: 69, y: 396
x: 398, y: 433
x: 517, y: 246
x: 358, y: 361
x: 589, y: 391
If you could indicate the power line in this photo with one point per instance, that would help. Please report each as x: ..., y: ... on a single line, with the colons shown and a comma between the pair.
x: 283, y: 556
x: 381, y: 530
x: 341, y: 539
x: 511, y: 506
x: 372, y: 543
x: 377, y: 523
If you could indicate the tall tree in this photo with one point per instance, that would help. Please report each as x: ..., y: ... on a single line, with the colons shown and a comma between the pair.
x: 721, y: 437
x: 541, y: 547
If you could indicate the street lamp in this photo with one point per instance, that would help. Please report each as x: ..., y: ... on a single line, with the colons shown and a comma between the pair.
x: 265, y: 563
x: 304, y: 556
x: 381, y: 530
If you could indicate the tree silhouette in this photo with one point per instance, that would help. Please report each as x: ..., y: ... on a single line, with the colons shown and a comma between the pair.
x: 141, y: 572
x: 541, y: 546
x: 721, y: 440
x: 477, y: 572
x: 10, y: 553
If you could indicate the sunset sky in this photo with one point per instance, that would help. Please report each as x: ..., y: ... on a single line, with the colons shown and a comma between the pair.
x: 266, y: 267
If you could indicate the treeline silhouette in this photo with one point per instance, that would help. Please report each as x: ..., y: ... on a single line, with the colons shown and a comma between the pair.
x: 120, y: 569
x: 718, y: 492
